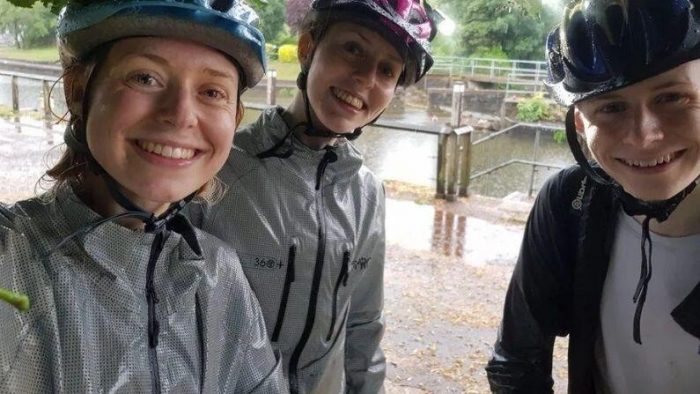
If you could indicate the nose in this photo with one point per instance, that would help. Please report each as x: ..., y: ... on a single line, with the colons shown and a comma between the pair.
x: 647, y: 131
x: 178, y: 108
x: 365, y: 73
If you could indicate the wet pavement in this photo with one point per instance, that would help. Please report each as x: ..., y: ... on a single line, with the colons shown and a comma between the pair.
x: 468, y: 239
x: 447, y: 270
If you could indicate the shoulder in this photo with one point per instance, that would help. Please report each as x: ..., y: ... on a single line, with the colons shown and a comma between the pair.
x: 371, y: 186
x: 217, y: 252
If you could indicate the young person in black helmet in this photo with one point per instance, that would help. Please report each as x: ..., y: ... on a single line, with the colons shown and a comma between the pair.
x: 127, y: 296
x: 610, y: 252
x: 305, y: 214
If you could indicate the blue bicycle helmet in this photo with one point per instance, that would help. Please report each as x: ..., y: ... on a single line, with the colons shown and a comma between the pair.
x: 228, y: 26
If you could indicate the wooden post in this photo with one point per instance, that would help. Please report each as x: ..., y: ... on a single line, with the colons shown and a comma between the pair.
x: 271, y: 87
x: 442, y: 162
x: 464, y: 142
x: 457, y: 93
x: 15, y: 103
x: 451, y: 157
x: 534, y: 160
x: 450, y: 150
x: 46, y: 88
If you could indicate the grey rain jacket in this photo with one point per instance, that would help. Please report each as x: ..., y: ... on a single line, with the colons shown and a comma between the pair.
x: 89, y: 323
x: 310, y: 234
x: 557, y: 286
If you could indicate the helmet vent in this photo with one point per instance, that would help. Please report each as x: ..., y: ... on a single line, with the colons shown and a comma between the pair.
x: 222, y: 5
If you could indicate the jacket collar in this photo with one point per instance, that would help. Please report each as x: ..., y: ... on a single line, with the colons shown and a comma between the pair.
x: 270, y: 129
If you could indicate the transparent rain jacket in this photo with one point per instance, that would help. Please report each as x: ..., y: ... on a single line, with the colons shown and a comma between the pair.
x: 310, y: 234
x: 88, y: 326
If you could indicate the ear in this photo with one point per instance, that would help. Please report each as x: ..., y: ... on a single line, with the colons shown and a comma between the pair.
x: 240, y: 111
x: 578, y: 122
x: 305, y: 48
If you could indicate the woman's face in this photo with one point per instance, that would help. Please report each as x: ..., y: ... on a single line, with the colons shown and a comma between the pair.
x: 161, y: 117
x: 352, y: 77
x: 647, y: 135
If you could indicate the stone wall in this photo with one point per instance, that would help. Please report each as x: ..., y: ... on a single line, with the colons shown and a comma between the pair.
x: 481, y: 101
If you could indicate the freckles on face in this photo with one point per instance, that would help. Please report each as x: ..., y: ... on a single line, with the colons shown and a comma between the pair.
x: 162, y: 116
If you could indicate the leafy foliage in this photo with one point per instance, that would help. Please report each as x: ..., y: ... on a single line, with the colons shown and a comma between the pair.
x: 559, y: 136
x: 29, y: 27
x: 54, y: 5
x: 517, y: 27
x: 490, y: 53
x: 271, y: 18
x: 534, y: 109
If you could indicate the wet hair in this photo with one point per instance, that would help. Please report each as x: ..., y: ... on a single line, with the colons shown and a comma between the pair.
x: 73, y: 166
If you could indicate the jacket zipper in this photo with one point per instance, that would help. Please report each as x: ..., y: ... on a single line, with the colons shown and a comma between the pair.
x: 342, y: 279
x: 289, y: 278
x: 328, y: 157
x: 152, y: 299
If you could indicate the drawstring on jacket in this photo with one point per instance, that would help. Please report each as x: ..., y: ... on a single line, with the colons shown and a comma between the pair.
x: 328, y: 157
x: 640, y: 295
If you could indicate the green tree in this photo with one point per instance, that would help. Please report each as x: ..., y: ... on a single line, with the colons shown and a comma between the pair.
x: 29, y: 27
x: 54, y: 5
x: 517, y: 28
x: 272, y: 18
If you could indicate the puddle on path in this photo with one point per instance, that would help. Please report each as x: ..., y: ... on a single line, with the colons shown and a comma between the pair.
x: 471, y: 240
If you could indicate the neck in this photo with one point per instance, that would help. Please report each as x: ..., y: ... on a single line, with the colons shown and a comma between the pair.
x: 684, y: 221
x: 296, y: 113
x: 95, y: 194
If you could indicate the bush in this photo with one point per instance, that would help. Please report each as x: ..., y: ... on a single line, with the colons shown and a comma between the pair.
x: 271, y: 51
x: 534, y: 109
x: 287, y: 53
x: 559, y: 136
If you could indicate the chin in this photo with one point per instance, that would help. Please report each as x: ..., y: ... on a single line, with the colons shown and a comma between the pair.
x: 659, y: 194
x: 164, y: 194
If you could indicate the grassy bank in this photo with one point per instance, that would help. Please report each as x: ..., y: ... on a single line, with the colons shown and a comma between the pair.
x: 45, y: 54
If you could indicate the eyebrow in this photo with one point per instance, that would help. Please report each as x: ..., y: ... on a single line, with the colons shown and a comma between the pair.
x: 660, y: 86
x: 391, y: 56
x: 163, y: 62
x: 669, y: 84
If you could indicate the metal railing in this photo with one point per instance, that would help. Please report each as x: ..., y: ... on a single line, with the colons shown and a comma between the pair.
x: 493, y: 68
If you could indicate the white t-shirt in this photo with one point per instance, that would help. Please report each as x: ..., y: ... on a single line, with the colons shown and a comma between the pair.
x: 668, y: 360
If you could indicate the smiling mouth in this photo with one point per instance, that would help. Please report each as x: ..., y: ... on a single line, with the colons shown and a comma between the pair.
x: 167, y: 151
x: 659, y: 161
x: 348, y: 98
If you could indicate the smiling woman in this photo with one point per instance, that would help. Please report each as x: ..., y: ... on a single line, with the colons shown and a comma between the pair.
x: 305, y: 214
x: 130, y: 296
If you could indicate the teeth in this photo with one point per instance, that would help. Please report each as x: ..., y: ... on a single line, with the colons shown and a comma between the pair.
x: 171, y: 152
x: 348, y: 98
x: 649, y: 163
